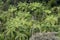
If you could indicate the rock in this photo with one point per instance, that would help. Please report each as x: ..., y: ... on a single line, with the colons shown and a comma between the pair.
x: 44, y: 36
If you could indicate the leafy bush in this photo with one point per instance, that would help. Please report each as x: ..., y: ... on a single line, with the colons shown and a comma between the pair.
x: 18, y: 21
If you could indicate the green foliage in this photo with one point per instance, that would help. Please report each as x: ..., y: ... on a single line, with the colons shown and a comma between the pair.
x: 23, y: 19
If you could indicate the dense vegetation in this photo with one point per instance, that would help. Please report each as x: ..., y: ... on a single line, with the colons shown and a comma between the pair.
x: 19, y: 19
